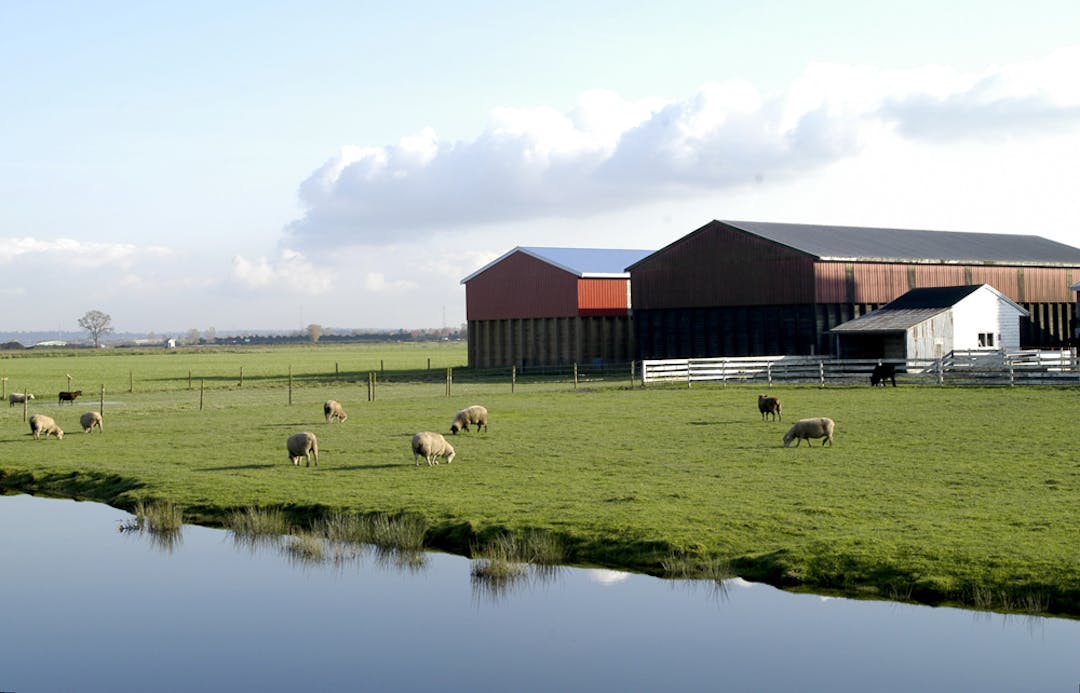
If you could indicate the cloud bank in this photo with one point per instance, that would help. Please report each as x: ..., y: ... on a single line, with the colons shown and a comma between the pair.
x: 609, y: 153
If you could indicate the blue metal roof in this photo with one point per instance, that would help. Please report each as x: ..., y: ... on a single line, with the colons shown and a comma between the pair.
x: 581, y: 262
x: 588, y: 261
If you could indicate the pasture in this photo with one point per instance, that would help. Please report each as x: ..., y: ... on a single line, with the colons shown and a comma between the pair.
x: 938, y: 495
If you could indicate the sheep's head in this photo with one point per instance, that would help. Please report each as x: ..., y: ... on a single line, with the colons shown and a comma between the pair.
x: 454, y: 428
x: 59, y: 434
x: 449, y: 451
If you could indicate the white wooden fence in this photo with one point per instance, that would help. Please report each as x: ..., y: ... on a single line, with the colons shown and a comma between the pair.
x: 978, y: 367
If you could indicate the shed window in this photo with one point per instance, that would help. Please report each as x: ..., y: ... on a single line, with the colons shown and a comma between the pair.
x: 986, y: 339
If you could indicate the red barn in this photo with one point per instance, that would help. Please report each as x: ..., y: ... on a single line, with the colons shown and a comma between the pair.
x: 551, y: 306
x: 736, y: 288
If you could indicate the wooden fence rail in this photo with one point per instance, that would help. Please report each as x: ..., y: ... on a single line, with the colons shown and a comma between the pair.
x: 981, y: 367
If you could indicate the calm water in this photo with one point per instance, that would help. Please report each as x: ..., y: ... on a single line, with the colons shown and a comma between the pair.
x: 87, y: 608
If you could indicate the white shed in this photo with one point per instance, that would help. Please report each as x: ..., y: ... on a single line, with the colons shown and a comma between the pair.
x: 930, y: 322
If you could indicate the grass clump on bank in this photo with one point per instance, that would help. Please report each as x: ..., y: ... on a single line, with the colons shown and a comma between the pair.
x: 938, y: 495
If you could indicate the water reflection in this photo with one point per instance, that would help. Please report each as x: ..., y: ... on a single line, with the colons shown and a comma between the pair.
x: 355, y: 618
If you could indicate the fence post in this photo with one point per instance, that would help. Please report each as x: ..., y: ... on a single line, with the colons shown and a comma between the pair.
x: 131, y: 381
x: 189, y: 379
x: 101, y: 404
x: 1012, y: 376
x: 201, y: 387
x: 24, y: 391
x: 513, y: 378
x: 821, y: 372
x: 3, y: 384
x: 768, y: 370
x: 290, y: 386
x: 575, y: 375
x: 631, y: 375
x: 337, y: 369
x: 689, y: 379
x: 369, y: 386
x: 241, y: 376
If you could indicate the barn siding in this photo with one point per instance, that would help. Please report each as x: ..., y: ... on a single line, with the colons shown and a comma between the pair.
x: 521, y: 286
x: 526, y: 342
x: 720, y: 266
x: 598, y: 297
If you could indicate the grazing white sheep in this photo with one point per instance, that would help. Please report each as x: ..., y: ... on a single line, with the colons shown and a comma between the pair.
x: 333, y: 410
x: 810, y: 428
x: 18, y: 398
x: 475, y: 415
x: 89, y: 420
x: 769, y: 405
x: 303, y: 445
x: 44, y: 425
x: 431, y: 446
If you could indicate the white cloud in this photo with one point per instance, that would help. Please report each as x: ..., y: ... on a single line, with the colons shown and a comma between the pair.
x: 603, y: 576
x: 376, y: 282
x: 608, y: 154
x: 291, y: 272
x: 77, y: 253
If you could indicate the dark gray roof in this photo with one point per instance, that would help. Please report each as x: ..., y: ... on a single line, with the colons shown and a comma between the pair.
x: 883, y: 320
x: 931, y: 297
x: 854, y: 243
x: 596, y: 263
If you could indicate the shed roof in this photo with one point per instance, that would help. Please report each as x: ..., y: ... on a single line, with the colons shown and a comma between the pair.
x: 860, y: 243
x: 916, y: 306
x: 592, y: 263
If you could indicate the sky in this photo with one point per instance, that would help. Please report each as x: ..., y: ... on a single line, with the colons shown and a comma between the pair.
x: 269, y: 165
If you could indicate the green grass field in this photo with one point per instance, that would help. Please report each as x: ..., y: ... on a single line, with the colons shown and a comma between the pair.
x: 938, y: 495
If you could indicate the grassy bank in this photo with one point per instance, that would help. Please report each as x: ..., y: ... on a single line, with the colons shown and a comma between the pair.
x: 930, y: 494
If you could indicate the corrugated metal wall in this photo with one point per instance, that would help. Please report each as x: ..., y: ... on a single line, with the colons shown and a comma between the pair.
x: 550, y: 341
x: 720, y: 266
x: 599, y: 297
x: 521, y: 287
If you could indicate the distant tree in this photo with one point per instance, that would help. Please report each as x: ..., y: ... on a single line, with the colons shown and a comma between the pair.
x: 315, y: 332
x: 97, y: 324
x: 192, y: 336
x: 210, y: 335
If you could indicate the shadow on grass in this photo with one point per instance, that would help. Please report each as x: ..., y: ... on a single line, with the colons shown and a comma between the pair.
x: 360, y: 467
x: 237, y: 467
x: 106, y: 488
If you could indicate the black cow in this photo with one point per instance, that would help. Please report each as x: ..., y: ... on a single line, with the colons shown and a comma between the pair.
x: 68, y: 396
x: 883, y: 372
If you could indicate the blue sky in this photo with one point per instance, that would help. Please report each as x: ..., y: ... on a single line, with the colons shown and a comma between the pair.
x: 268, y: 165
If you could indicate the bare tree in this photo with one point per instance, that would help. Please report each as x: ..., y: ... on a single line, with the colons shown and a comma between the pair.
x: 315, y: 332
x: 97, y: 324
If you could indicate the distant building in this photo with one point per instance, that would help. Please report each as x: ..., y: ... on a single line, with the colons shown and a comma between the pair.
x: 736, y: 288
x: 537, y: 306
x: 931, y: 322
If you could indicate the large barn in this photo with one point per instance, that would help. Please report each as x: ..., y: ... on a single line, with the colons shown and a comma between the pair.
x: 736, y: 288
x: 551, y: 306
